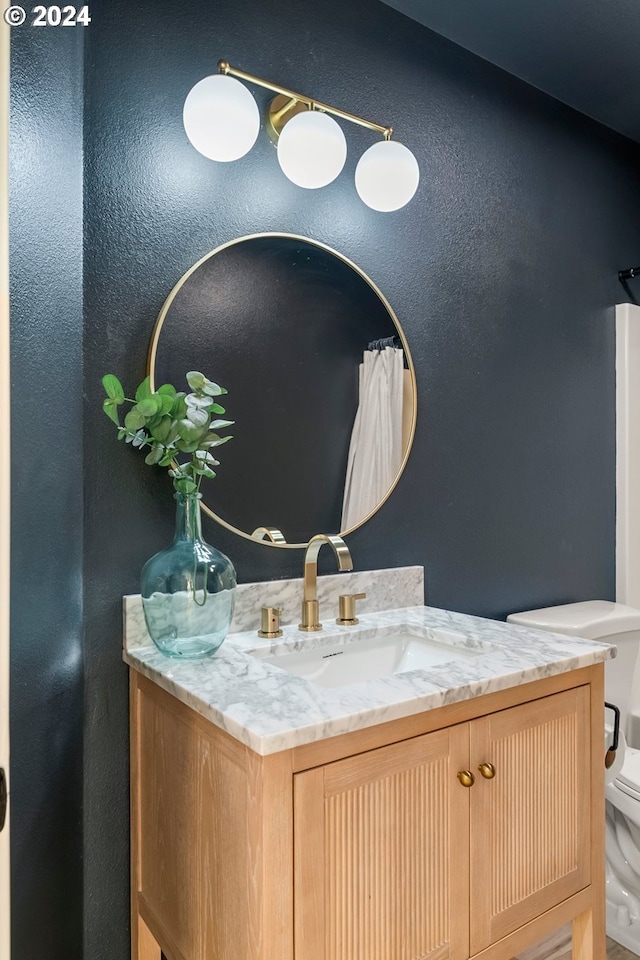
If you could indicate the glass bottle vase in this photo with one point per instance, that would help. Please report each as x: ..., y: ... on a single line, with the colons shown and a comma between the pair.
x: 188, y: 589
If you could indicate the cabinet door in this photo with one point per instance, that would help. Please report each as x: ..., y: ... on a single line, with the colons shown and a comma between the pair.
x: 530, y: 830
x: 381, y: 853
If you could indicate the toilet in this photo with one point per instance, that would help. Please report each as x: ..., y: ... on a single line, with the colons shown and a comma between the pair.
x: 620, y: 625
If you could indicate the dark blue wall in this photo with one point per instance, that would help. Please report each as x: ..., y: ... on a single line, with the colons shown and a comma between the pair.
x: 47, y: 484
x: 502, y: 271
x: 583, y: 52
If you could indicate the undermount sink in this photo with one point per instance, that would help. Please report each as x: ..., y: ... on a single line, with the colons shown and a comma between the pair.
x: 372, y: 654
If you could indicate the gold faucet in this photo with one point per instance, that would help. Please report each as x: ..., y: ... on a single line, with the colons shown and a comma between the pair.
x: 268, y: 533
x: 310, y: 607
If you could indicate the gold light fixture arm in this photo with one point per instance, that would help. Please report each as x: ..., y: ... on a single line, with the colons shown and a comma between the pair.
x: 226, y: 69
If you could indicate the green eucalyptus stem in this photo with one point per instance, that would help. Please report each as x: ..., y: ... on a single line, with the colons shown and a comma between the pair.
x: 191, y: 506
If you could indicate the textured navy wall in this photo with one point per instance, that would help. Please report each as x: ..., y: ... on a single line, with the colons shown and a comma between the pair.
x: 46, y: 452
x: 584, y: 52
x: 502, y: 271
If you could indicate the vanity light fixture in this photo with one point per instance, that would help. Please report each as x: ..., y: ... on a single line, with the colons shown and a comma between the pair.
x: 222, y: 121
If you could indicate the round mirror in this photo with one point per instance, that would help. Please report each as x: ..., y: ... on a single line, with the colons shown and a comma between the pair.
x: 299, y: 336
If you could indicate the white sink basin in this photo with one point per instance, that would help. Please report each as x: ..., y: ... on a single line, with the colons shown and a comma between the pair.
x: 372, y: 654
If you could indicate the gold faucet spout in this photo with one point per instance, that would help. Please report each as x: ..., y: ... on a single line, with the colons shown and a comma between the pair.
x: 268, y: 533
x: 310, y: 608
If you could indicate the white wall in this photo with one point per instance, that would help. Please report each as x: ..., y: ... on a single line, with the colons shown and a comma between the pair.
x: 4, y: 474
x: 628, y: 454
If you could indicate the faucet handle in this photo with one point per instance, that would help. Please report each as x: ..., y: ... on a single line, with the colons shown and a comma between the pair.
x: 347, y: 608
x: 270, y: 623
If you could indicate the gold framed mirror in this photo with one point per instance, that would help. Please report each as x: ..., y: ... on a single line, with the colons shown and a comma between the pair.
x: 283, y: 322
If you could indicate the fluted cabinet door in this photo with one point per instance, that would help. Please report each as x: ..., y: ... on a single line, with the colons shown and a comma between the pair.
x: 530, y: 830
x: 382, y: 853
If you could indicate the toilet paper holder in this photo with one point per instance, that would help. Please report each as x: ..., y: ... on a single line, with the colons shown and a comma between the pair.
x: 610, y: 755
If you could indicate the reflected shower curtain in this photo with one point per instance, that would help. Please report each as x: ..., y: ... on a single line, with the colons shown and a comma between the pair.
x: 375, y: 451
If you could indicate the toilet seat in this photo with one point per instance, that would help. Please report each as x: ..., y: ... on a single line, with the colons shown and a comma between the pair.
x: 628, y: 779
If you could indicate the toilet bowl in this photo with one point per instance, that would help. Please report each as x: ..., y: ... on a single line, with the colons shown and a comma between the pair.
x: 620, y: 625
x: 622, y: 794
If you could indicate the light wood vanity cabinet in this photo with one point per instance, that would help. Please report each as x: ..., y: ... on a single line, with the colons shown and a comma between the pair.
x: 399, y: 860
x: 367, y: 846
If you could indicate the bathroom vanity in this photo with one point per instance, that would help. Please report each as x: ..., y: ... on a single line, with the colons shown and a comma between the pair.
x: 285, y: 808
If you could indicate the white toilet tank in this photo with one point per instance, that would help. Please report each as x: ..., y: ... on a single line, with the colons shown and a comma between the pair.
x: 599, y: 620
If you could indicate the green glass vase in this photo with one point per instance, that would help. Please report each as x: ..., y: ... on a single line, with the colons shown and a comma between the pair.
x: 188, y: 589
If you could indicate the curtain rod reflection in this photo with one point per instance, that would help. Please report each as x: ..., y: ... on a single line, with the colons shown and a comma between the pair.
x: 628, y: 274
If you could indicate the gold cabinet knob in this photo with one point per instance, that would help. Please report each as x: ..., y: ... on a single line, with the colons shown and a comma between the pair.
x: 466, y: 778
x: 487, y: 770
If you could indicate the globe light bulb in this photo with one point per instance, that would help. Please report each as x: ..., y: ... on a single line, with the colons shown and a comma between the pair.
x: 221, y: 118
x: 387, y: 176
x: 312, y: 149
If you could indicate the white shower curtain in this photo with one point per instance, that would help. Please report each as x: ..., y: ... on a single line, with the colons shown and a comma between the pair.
x: 375, y: 451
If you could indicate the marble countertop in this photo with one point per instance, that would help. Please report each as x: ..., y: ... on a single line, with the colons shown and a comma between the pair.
x: 271, y: 710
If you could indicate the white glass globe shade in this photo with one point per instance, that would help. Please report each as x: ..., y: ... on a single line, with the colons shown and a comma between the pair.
x: 221, y: 118
x: 312, y: 149
x: 387, y: 176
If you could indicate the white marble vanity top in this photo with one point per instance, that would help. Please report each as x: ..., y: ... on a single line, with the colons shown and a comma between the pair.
x: 270, y: 710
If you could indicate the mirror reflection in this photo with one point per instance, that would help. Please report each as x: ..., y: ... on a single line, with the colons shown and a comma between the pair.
x: 320, y: 380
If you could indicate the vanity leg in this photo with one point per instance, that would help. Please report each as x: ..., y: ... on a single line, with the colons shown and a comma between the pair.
x: 144, y: 946
x: 588, y: 935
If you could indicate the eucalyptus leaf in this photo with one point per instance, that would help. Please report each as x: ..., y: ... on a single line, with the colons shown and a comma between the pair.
x: 204, y: 472
x: 213, y: 389
x: 113, y: 388
x: 149, y: 406
x: 167, y: 389
x: 179, y: 409
x: 173, y: 434
x: 196, y: 380
x: 217, y: 408
x: 221, y: 424
x: 134, y: 419
x: 187, y: 446
x: 188, y: 430
x: 205, y: 456
x: 166, y: 402
x: 192, y: 400
x: 144, y: 390
x: 110, y: 407
x: 161, y: 430
x: 155, y: 454
x: 185, y: 485
x: 198, y: 417
x: 219, y: 441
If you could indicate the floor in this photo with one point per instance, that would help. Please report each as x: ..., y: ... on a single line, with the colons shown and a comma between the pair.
x: 558, y: 947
